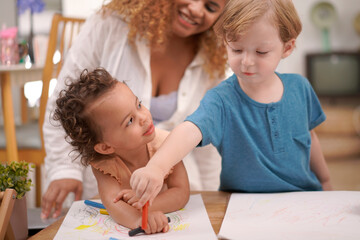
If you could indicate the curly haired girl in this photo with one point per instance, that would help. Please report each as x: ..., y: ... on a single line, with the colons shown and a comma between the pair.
x: 114, y: 134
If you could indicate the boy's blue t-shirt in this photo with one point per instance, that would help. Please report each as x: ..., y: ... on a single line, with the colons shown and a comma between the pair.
x: 264, y: 147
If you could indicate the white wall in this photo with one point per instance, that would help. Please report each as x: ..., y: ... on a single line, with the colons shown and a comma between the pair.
x: 80, y: 8
x: 343, y: 36
x: 8, y: 14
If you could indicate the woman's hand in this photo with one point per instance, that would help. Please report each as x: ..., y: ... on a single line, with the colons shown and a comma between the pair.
x: 56, y: 194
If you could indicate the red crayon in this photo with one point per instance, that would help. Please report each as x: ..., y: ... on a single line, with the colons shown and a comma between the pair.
x: 143, y: 221
x: 145, y: 215
x: 141, y: 229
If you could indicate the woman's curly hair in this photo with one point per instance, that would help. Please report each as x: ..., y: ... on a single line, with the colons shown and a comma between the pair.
x: 81, y: 132
x: 151, y: 20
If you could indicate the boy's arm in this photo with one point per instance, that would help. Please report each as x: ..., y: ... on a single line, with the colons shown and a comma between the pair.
x: 174, y: 195
x: 177, y: 194
x: 147, y: 182
x: 318, y: 163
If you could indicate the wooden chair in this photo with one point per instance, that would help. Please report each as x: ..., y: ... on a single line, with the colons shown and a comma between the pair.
x: 62, y: 34
x: 7, y: 200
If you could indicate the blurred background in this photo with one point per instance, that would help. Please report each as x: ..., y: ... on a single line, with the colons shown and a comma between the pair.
x: 327, y: 53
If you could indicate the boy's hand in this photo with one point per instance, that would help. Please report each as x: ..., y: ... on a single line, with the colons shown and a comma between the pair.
x: 147, y: 183
x: 157, y: 222
x: 127, y: 195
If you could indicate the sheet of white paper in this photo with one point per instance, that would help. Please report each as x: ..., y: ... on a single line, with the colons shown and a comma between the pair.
x: 85, y: 222
x: 296, y: 215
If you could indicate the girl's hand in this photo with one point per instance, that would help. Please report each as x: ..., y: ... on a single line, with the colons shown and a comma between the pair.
x: 146, y: 183
x: 127, y: 195
x: 157, y: 222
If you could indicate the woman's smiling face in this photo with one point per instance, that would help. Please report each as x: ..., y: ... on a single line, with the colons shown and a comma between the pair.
x: 195, y: 16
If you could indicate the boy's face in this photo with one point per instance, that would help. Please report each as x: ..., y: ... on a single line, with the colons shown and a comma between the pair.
x: 255, y: 55
x: 124, y: 123
x: 195, y: 16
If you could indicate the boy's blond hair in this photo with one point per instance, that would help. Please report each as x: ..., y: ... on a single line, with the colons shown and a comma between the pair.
x: 238, y: 15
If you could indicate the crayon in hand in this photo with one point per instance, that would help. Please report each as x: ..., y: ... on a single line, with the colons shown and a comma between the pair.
x: 143, y: 221
x: 139, y: 230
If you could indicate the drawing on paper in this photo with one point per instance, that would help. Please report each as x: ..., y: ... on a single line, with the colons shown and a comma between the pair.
x: 85, y: 222
x: 89, y: 218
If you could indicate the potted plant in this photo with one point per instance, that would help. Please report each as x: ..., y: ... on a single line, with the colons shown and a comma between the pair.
x: 15, y: 175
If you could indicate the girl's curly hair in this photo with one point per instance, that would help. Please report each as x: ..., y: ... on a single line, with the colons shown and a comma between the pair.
x: 81, y: 132
x: 151, y: 20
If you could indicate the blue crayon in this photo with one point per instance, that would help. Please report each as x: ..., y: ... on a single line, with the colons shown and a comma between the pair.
x: 94, y: 204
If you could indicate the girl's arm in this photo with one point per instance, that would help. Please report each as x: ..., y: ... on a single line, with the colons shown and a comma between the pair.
x: 318, y: 163
x: 147, y: 182
x: 123, y: 213
x: 120, y: 211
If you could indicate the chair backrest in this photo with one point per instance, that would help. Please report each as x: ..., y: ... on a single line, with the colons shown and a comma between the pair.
x: 62, y: 34
x: 7, y: 200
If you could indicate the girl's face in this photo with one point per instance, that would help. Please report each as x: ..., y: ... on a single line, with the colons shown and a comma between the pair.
x: 195, y: 16
x: 254, y: 56
x: 124, y: 123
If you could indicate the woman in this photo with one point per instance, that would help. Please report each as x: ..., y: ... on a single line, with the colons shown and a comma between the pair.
x: 167, y: 53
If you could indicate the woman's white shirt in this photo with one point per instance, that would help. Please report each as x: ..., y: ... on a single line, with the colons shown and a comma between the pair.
x: 103, y: 42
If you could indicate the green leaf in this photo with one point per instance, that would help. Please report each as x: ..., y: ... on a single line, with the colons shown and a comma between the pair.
x: 15, y: 175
